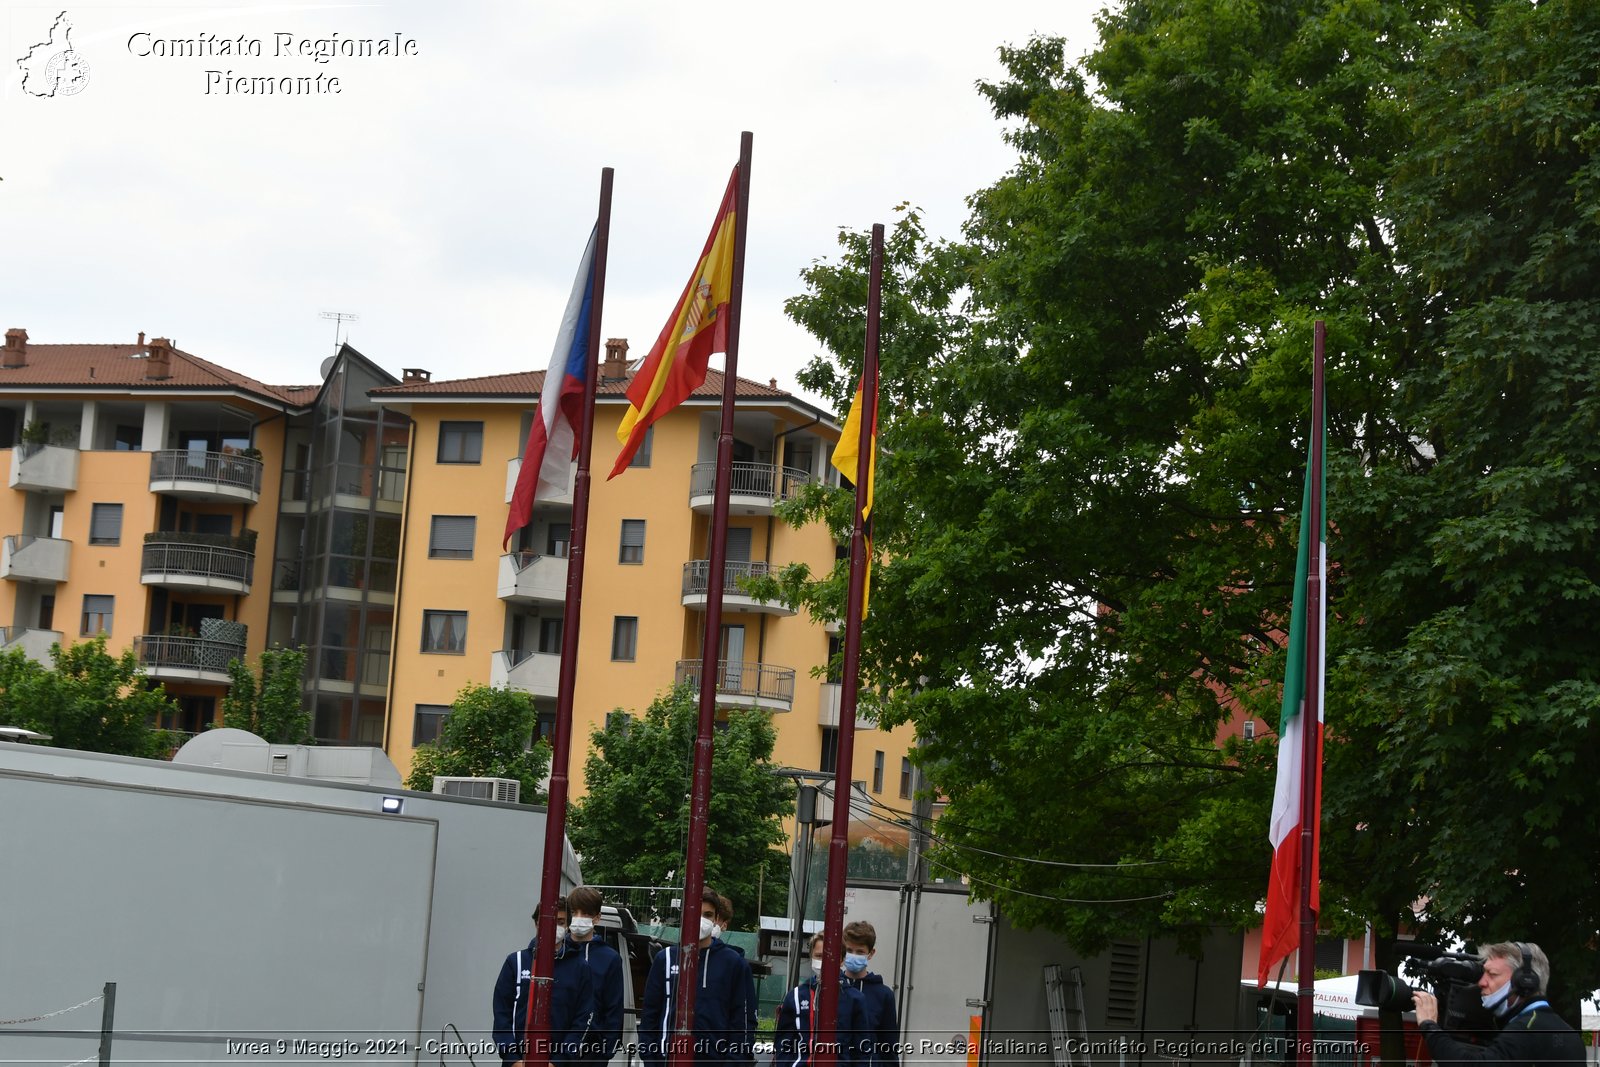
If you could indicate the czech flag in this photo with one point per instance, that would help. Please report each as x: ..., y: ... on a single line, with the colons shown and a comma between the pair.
x: 553, y: 439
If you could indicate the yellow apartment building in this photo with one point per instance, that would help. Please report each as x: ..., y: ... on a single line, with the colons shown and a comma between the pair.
x: 137, y: 501
x: 145, y: 482
x: 471, y: 612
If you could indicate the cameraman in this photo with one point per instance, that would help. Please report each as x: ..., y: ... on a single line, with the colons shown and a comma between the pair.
x: 1512, y: 987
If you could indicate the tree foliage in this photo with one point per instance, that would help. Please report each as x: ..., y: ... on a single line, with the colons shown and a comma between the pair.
x: 486, y: 734
x: 1473, y: 676
x: 1093, y: 420
x: 88, y: 700
x: 632, y: 825
x: 269, y: 705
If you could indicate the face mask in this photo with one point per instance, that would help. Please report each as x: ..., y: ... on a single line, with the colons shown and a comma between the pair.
x: 561, y: 933
x: 581, y: 926
x: 816, y: 967
x: 708, y: 928
x: 1496, y: 1001
x: 855, y: 962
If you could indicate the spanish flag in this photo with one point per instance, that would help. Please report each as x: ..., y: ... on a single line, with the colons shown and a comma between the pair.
x: 676, y: 365
x: 847, y: 455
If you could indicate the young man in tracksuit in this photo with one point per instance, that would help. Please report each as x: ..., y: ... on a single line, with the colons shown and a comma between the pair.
x: 882, y: 1043
x: 571, y: 1001
x: 605, y: 968
x: 793, y: 1042
x: 724, y: 1002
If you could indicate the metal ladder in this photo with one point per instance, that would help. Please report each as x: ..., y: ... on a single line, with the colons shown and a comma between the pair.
x: 1069, y: 1023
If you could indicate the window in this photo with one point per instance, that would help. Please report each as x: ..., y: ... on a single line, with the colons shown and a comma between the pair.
x: 641, y: 458
x: 632, y: 550
x: 105, y: 524
x: 624, y: 637
x: 97, y: 612
x: 558, y: 541
x: 461, y: 442
x: 905, y: 777
x: 1249, y: 729
x: 425, y: 727
x: 877, y: 771
x: 444, y: 631
x: 550, y: 636
x: 451, y: 536
x: 828, y: 762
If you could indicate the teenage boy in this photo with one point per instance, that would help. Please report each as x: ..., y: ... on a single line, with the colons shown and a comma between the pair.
x: 605, y: 969
x: 881, y: 1047
x: 571, y: 1000
x: 724, y: 1002
x: 793, y: 1042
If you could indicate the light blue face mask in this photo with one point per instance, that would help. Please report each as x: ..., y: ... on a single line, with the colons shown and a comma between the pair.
x: 1496, y: 1001
x: 855, y: 962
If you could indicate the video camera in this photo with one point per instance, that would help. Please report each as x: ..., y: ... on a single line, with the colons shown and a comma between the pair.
x: 1451, y: 976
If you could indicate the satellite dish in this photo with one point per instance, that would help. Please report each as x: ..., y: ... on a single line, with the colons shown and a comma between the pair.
x: 327, y: 367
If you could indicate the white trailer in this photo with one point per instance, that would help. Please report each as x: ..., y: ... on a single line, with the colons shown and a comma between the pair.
x: 249, y: 917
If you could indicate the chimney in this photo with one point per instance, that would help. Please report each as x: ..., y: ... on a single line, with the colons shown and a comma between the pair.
x: 772, y: 383
x: 16, y: 350
x: 615, y: 367
x: 415, y: 375
x: 141, y: 338
x: 158, y: 367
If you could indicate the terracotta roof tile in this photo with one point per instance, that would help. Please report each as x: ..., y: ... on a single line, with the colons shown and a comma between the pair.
x: 530, y: 383
x: 123, y: 365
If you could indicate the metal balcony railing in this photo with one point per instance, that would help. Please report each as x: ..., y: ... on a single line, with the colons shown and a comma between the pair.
x: 174, y: 554
x: 160, y: 651
x: 758, y: 681
x: 697, y: 575
x: 222, y: 469
x: 749, y: 479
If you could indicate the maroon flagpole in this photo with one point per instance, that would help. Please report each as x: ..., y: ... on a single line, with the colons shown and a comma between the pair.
x: 1311, y: 750
x: 827, y: 1012
x: 682, y: 1045
x: 537, y: 1031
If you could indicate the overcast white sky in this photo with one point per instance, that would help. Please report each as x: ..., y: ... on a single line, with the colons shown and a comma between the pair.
x: 444, y: 197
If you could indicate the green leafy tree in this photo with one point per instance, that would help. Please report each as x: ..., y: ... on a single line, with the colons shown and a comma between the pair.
x: 271, y: 705
x: 1472, y: 676
x: 1093, y: 423
x: 632, y: 825
x: 486, y: 735
x: 89, y: 700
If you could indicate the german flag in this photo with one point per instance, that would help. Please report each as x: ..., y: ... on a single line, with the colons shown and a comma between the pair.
x: 698, y: 327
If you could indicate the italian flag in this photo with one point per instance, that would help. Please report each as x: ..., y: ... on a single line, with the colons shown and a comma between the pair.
x: 1297, y: 730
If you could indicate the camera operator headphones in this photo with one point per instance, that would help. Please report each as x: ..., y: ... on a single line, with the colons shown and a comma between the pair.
x: 1525, y: 983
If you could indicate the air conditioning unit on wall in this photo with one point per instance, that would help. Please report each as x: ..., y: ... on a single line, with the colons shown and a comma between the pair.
x: 505, y: 790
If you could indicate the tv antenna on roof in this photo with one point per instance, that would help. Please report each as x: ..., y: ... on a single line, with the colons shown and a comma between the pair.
x: 339, y: 319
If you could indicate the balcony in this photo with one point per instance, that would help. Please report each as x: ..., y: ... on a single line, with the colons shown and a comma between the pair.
x: 228, y: 477
x: 35, y: 644
x: 44, y: 468
x: 697, y: 578
x: 199, y: 561
x: 514, y: 470
x: 537, y: 673
x: 35, y: 559
x: 186, y: 659
x: 828, y: 708
x: 745, y: 685
x: 754, y: 489
x: 527, y: 578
